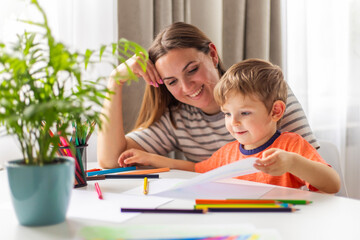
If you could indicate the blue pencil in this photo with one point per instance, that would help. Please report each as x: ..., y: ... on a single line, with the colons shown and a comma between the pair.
x: 114, y: 170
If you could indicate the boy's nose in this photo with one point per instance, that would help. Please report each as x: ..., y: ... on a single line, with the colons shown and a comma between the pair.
x: 235, y: 122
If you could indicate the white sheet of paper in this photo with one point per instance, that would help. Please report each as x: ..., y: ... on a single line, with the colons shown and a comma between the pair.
x: 157, y: 186
x: 87, y: 205
x: 216, y: 190
x: 205, y: 185
x: 238, y: 168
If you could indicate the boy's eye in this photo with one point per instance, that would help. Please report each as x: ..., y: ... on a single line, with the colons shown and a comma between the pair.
x: 245, y: 113
x: 227, y: 114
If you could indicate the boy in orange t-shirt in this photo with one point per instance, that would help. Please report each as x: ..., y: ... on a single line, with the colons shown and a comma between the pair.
x: 252, y: 94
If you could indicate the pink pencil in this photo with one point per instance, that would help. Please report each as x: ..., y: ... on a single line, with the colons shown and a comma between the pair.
x: 97, y: 187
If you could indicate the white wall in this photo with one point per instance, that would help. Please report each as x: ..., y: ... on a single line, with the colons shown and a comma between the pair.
x: 209, y: 20
x: 79, y: 24
x: 72, y: 27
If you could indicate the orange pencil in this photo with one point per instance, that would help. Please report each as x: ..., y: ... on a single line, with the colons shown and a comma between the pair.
x: 235, y: 201
x: 146, y: 171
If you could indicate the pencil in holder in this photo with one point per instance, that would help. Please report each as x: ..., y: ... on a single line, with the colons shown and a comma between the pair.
x: 80, y: 163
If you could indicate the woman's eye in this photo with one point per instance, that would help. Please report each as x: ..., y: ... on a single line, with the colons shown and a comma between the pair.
x: 194, y: 70
x: 172, y: 82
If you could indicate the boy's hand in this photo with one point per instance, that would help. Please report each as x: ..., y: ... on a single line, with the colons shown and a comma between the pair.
x: 275, y: 162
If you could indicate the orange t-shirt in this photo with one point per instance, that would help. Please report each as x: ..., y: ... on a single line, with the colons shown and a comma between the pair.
x: 287, y: 141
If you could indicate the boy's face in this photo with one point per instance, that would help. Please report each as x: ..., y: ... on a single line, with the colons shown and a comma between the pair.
x: 248, y: 120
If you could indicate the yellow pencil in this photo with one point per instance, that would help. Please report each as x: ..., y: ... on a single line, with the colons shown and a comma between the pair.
x: 146, y: 186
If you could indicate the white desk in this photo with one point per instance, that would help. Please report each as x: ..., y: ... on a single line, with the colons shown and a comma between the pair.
x: 328, y: 217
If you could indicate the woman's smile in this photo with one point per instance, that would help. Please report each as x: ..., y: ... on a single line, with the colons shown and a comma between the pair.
x: 197, y: 93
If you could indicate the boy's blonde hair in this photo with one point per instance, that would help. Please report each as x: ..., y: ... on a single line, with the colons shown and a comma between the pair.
x: 253, y: 77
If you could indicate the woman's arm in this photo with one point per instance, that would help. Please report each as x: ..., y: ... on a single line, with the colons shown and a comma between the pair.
x: 111, y: 138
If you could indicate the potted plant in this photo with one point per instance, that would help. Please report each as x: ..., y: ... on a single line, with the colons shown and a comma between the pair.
x: 42, y: 89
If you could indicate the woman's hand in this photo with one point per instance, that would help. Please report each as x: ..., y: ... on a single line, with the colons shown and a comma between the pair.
x: 275, y: 162
x: 138, y: 157
x: 151, y: 76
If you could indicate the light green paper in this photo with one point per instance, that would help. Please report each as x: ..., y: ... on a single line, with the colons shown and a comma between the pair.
x: 169, y: 231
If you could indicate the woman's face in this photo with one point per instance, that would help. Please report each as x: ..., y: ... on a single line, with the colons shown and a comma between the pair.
x: 190, y: 76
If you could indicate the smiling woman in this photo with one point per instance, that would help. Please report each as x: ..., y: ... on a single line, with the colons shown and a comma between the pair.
x: 178, y: 110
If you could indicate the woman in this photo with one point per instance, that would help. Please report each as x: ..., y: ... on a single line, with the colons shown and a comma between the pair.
x: 178, y: 110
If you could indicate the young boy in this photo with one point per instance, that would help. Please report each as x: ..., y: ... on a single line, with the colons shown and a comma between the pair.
x: 252, y: 94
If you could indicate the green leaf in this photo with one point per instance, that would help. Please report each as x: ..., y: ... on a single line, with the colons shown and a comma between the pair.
x: 88, y: 54
x: 102, y: 49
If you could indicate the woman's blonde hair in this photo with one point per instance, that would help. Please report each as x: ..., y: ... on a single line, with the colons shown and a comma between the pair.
x: 157, y: 100
x: 253, y: 76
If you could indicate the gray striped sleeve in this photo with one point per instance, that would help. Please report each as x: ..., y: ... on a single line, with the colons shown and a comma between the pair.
x: 158, y: 138
x: 294, y: 120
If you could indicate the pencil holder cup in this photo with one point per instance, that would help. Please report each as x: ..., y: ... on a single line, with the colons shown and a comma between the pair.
x: 80, y: 157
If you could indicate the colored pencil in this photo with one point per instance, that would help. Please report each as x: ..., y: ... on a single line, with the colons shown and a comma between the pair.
x: 98, y: 190
x: 114, y: 170
x: 103, y: 177
x: 94, y: 169
x: 205, y: 206
x: 235, y: 201
x: 146, y: 186
x: 252, y: 209
x: 162, y: 210
x: 145, y: 171
x: 292, y: 201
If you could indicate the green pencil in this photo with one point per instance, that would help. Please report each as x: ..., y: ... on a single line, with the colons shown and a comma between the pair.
x: 294, y: 201
x: 291, y: 201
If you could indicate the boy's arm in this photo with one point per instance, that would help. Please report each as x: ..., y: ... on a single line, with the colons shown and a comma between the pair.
x: 277, y: 162
x: 319, y: 175
x: 138, y: 157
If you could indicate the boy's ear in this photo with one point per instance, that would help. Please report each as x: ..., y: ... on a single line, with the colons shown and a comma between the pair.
x: 278, y: 110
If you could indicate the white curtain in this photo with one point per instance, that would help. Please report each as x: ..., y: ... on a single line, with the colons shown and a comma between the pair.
x: 323, y: 69
x: 80, y: 24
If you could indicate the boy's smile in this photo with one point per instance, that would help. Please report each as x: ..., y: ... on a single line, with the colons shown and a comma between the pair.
x: 248, y: 120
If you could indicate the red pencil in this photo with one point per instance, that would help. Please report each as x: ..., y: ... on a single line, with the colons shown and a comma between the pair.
x: 94, y: 170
